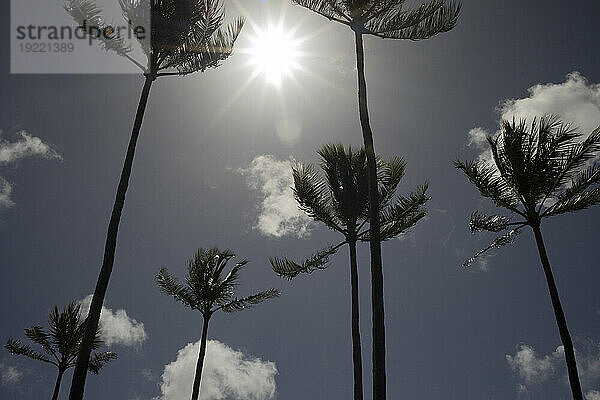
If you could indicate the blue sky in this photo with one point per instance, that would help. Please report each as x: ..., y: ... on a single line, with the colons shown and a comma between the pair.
x: 211, y: 170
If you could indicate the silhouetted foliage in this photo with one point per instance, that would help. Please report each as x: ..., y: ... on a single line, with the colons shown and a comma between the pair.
x: 210, y: 287
x: 390, y: 19
x: 60, y: 343
x: 539, y: 170
x: 186, y: 37
x: 339, y: 199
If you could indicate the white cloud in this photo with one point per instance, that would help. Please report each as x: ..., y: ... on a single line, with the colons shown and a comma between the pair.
x: 117, y: 326
x: 534, y: 369
x: 530, y: 367
x: 11, y: 152
x: 278, y: 212
x: 227, y: 373
x: 592, y: 395
x: 9, y: 375
x: 26, y: 146
x: 588, y: 362
x: 575, y: 101
x: 5, y: 191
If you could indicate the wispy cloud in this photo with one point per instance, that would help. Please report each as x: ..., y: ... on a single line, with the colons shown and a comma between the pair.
x: 227, y: 373
x: 117, y: 327
x: 575, y: 100
x: 592, y: 395
x: 530, y: 367
x: 278, y: 212
x: 10, y: 375
x: 533, y: 369
x: 11, y: 152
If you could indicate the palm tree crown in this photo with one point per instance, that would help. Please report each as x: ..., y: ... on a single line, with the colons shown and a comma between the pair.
x: 209, y: 287
x: 539, y: 170
x: 186, y: 35
x: 389, y: 19
x: 60, y: 344
x: 339, y: 199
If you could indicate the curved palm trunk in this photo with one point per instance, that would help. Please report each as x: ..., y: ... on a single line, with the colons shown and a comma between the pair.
x: 79, y: 375
x: 200, y: 363
x: 356, y: 346
x: 379, y: 385
x: 560, y: 317
x: 57, y: 385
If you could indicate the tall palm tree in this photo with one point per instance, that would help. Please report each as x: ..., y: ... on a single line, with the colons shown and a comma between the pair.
x: 340, y: 201
x: 387, y: 19
x: 538, y: 171
x: 186, y: 37
x: 208, y: 289
x: 60, y: 344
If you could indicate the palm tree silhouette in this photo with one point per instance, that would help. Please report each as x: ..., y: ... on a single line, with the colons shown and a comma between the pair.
x: 538, y: 171
x: 387, y: 19
x: 340, y: 201
x: 209, y: 290
x: 186, y: 37
x: 61, y: 343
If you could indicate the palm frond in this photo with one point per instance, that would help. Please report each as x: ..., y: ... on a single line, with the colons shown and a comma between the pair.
x: 330, y: 9
x: 97, y: 360
x: 575, y: 202
x: 572, y: 163
x: 200, y: 53
x: 247, y: 302
x: 402, y: 215
x: 490, y: 184
x: 581, y: 182
x: 492, y: 223
x: 500, y: 241
x: 168, y: 285
x: 86, y: 14
x: 14, y: 346
x: 38, y: 335
x: 286, y: 268
x: 392, y: 172
x: 311, y: 193
x: 431, y: 18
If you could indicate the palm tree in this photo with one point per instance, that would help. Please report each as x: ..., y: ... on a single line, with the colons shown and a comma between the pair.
x: 209, y: 290
x: 340, y: 201
x: 61, y: 343
x: 387, y: 19
x: 186, y: 37
x: 538, y: 171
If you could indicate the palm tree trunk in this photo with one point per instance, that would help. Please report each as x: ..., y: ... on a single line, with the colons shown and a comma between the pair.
x: 560, y: 317
x: 200, y: 363
x: 356, y: 346
x: 79, y: 375
x: 57, y: 385
x: 379, y: 385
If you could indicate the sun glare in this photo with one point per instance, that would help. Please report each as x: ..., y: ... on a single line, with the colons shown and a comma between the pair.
x: 273, y: 53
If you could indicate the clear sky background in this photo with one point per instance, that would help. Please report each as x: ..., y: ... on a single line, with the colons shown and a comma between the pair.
x: 212, y: 168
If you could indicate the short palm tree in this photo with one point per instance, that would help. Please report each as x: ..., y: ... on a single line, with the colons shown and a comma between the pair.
x: 538, y: 171
x: 387, y: 19
x: 60, y: 344
x: 340, y: 201
x: 186, y: 37
x: 209, y: 289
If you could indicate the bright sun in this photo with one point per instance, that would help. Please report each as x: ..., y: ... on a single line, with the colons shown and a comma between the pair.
x: 273, y: 52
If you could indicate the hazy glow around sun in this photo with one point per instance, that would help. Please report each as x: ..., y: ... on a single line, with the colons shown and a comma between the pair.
x: 273, y: 52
